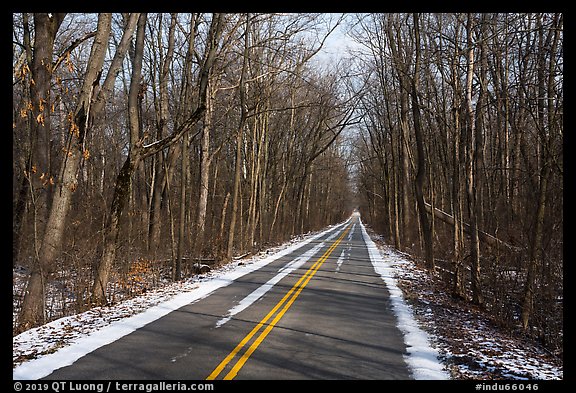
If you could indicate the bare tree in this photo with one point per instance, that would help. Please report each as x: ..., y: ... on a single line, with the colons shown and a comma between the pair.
x: 32, y: 313
x: 421, y: 162
x: 139, y: 151
x: 488, y: 106
x: 240, y: 136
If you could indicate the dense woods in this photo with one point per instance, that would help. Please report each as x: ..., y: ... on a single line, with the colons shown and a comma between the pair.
x: 461, y: 157
x: 147, y: 146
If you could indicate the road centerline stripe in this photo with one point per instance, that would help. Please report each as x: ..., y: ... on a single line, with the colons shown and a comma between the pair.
x: 264, y: 288
x: 287, y: 301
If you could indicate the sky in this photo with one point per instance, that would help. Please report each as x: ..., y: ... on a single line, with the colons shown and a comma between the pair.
x: 339, y: 42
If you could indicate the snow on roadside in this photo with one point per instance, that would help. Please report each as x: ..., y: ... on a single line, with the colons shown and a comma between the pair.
x: 422, y: 358
x: 465, y: 341
x: 39, y: 351
x: 468, y: 342
x: 261, y: 290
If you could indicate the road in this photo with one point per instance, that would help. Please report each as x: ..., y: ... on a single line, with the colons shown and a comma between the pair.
x: 320, y: 312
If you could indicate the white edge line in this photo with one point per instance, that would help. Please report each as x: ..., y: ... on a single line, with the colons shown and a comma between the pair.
x: 45, y: 365
x: 422, y: 358
x: 248, y: 300
x: 340, y: 260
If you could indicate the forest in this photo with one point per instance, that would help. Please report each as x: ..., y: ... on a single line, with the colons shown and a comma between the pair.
x: 150, y: 146
x: 460, y: 155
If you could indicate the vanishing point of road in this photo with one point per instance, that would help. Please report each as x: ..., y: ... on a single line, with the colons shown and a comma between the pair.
x: 319, y: 312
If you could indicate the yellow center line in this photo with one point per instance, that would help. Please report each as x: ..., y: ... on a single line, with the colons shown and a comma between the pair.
x: 292, y: 294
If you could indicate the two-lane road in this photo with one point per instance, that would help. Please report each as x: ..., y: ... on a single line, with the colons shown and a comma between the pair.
x: 320, y: 312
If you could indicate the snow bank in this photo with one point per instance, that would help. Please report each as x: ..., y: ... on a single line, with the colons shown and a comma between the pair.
x: 422, y: 358
x: 44, y: 365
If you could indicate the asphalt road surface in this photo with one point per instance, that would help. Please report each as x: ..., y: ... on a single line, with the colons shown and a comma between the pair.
x: 320, y: 312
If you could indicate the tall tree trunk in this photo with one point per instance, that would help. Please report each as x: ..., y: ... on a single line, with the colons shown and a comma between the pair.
x: 45, y: 28
x: 236, y: 189
x: 255, y: 181
x: 204, y: 175
x: 163, y: 104
x: 399, y: 187
x: 39, y: 58
x: 405, y: 179
x: 547, y: 131
x: 279, y: 199
x: 32, y: 313
x: 158, y: 187
x: 458, y: 283
x: 124, y: 179
x: 421, y: 162
x: 182, y: 221
x: 535, y: 251
x: 457, y: 231
x: 477, y: 297
x: 223, y: 223
x: 138, y: 151
x: 121, y: 195
x: 206, y: 161
x: 239, y: 139
x: 115, y: 67
x: 26, y: 164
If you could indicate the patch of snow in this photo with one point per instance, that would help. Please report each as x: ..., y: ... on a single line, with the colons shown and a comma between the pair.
x: 340, y: 260
x: 351, y: 232
x: 53, y: 355
x: 422, y: 359
x: 261, y: 291
x: 469, y: 343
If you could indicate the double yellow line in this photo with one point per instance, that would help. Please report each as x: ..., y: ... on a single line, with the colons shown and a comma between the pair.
x: 287, y: 301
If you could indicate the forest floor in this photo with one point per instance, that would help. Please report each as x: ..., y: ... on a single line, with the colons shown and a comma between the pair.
x: 470, y: 344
